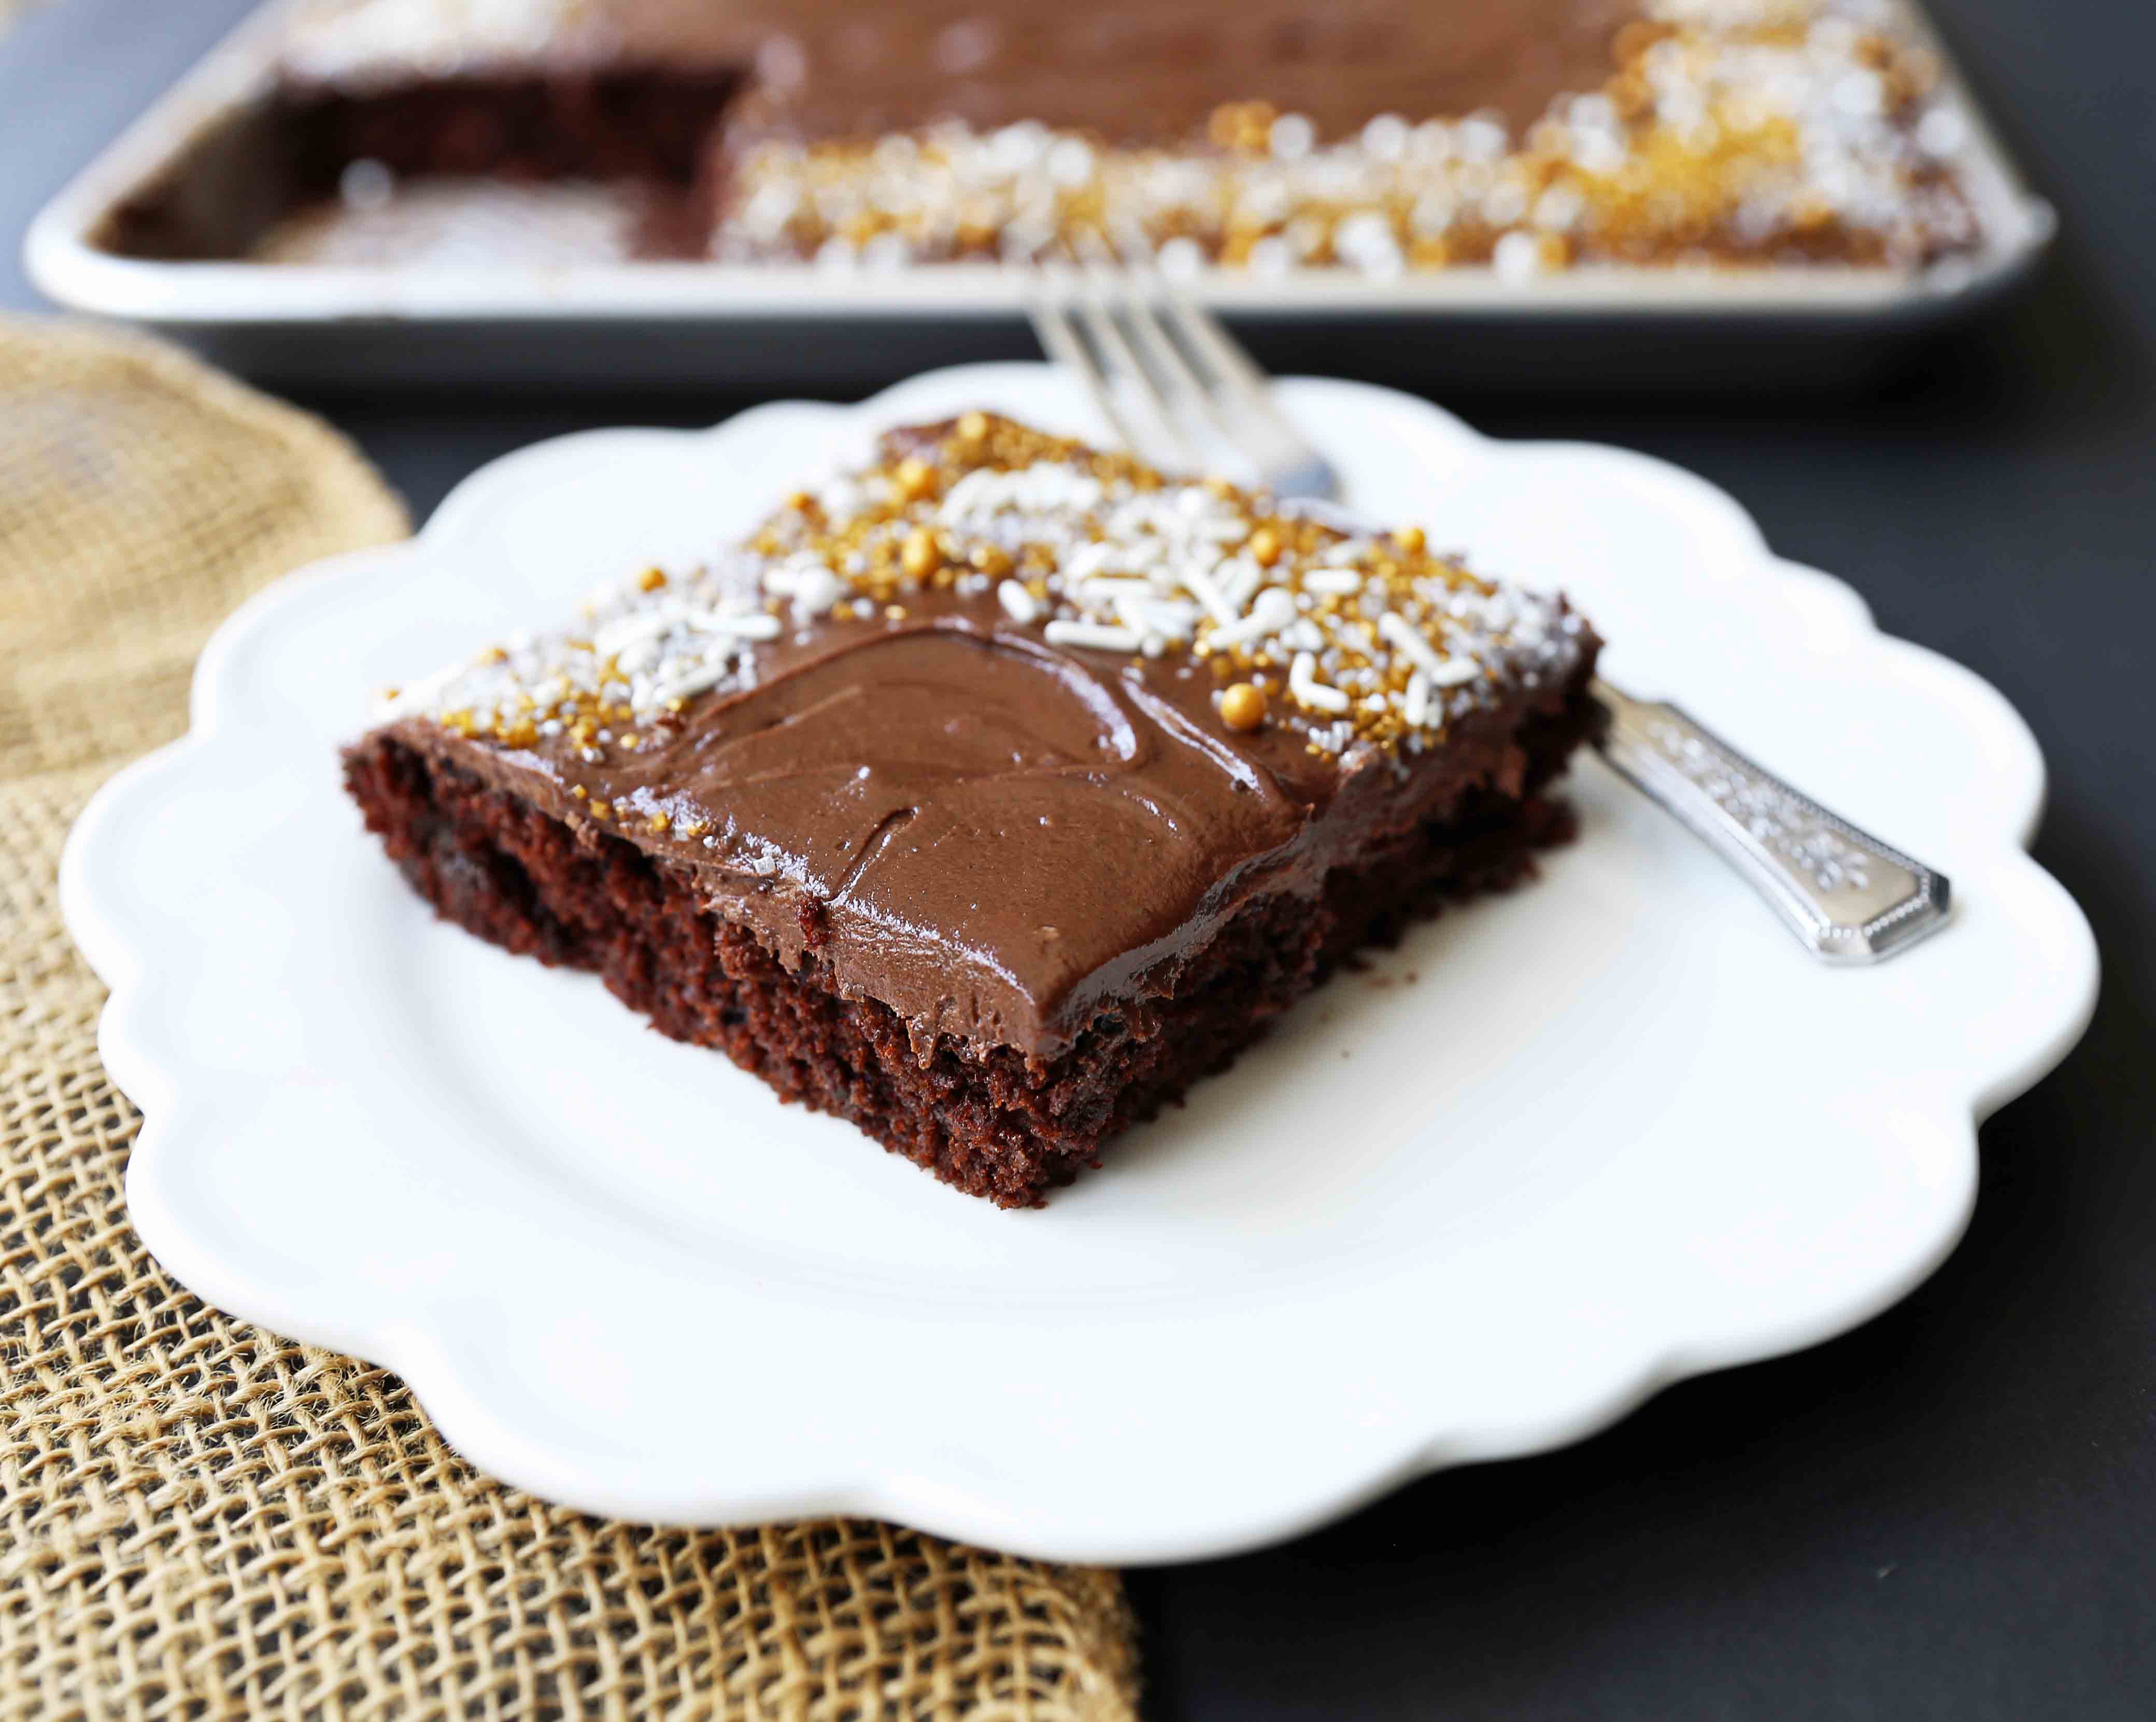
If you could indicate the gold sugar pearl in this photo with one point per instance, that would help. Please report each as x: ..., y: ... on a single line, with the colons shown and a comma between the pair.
x: 1242, y: 707
x: 1265, y: 547
x: 991, y: 560
x: 650, y: 580
x: 1411, y: 540
x: 915, y: 479
x: 973, y: 428
x: 920, y: 554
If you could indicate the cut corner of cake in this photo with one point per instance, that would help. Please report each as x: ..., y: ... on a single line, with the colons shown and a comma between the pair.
x: 990, y: 794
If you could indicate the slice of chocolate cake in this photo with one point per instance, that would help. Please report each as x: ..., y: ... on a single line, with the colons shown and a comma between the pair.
x: 991, y: 796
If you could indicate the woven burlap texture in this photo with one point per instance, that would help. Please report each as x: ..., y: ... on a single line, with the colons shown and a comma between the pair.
x: 200, y: 1519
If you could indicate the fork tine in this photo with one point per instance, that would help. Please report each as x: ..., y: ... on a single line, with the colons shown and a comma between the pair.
x: 1106, y: 331
x: 1238, y: 378
x: 1182, y: 380
x: 1060, y: 341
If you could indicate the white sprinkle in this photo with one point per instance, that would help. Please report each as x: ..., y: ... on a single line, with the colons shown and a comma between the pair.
x: 1071, y: 162
x: 1239, y: 579
x: 979, y: 491
x: 1516, y: 257
x: 1098, y: 636
x: 1274, y: 609
x: 694, y: 681
x: 1559, y: 209
x: 749, y: 625
x: 1199, y: 585
x: 1170, y: 618
x: 1302, y: 684
x: 1088, y: 562
x: 633, y: 629
x: 1333, y: 579
x: 1182, y: 258
x: 1221, y: 529
x: 1942, y: 133
x: 1386, y: 137
x: 1292, y: 137
x: 1396, y: 628
x: 1861, y: 93
x: 1414, y: 704
x: 1479, y: 138
x: 815, y: 591
x: 1019, y: 604
x: 1112, y: 589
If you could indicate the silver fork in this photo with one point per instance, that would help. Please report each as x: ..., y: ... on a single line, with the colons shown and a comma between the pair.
x: 1128, y: 334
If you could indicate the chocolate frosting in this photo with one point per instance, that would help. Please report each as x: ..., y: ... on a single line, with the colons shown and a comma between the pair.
x: 1136, y: 74
x: 1153, y: 73
x: 994, y: 837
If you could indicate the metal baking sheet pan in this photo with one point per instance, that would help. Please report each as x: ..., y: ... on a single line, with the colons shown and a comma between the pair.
x: 700, y: 324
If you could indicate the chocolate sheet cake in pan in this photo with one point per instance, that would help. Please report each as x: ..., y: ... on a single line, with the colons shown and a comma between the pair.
x: 1374, y: 136
x: 990, y: 796
x: 1702, y: 193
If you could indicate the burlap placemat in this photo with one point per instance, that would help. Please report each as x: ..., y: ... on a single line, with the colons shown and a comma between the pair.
x: 200, y: 1519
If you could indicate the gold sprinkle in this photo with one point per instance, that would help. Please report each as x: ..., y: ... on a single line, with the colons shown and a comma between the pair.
x: 915, y: 478
x: 1242, y: 707
x: 578, y: 792
x: 991, y: 559
x: 1265, y: 547
x: 894, y: 612
x: 493, y: 654
x: 920, y: 553
x: 650, y: 580
x: 601, y: 810
x: 657, y: 822
x: 692, y: 827
x: 973, y: 428
x: 1411, y: 538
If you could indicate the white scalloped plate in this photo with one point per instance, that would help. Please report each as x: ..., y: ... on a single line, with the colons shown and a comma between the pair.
x: 1560, y: 1148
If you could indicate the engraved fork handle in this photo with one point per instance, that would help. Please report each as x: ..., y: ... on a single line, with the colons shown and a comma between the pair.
x: 1850, y: 897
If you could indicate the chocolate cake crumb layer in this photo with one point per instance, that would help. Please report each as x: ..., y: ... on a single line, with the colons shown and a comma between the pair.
x: 989, y: 793
x: 998, y: 1124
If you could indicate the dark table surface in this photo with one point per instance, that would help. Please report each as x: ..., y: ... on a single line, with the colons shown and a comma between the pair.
x: 1952, y: 1512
